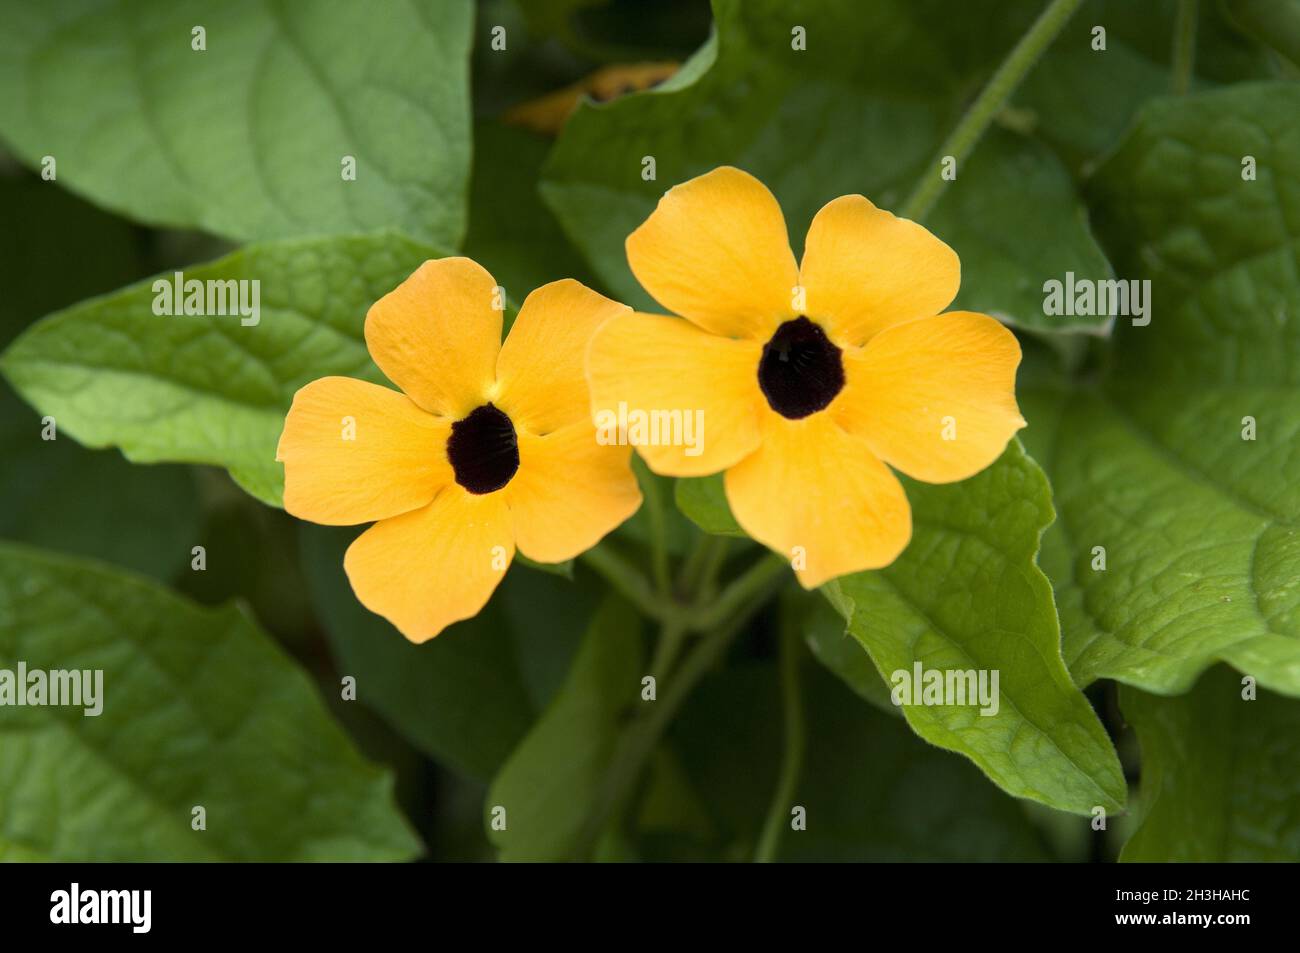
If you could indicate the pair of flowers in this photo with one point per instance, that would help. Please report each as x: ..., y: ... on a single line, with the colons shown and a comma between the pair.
x: 814, y: 379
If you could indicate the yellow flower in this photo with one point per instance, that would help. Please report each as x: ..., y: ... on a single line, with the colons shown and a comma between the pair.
x: 810, y: 377
x: 490, y: 446
x: 548, y: 114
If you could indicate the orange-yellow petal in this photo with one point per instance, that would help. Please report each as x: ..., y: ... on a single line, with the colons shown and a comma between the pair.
x: 715, y: 250
x: 426, y: 569
x: 934, y: 398
x: 687, y: 400
x: 541, y: 379
x: 355, y: 452
x: 569, y: 492
x: 864, y: 269
x: 437, y: 334
x: 820, y: 498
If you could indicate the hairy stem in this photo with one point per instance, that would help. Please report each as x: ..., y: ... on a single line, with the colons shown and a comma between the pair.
x: 990, y: 100
x: 778, y: 812
x: 1184, y: 46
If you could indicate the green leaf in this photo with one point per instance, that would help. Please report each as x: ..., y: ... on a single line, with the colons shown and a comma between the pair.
x: 55, y: 492
x: 1220, y: 774
x: 867, y: 104
x: 826, y: 632
x: 550, y: 783
x: 210, y: 389
x: 1013, y: 216
x: 247, y: 138
x: 966, y: 594
x: 55, y: 249
x: 199, y: 708
x: 872, y: 790
x: 564, y: 570
x: 704, y: 501
x: 1198, y: 525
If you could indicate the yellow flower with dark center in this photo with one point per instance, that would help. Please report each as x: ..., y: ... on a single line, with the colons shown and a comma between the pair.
x: 488, y: 447
x: 809, y: 377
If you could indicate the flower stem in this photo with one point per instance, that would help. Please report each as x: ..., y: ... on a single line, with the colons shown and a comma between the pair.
x: 1184, y: 46
x: 778, y: 812
x: 641, y: 738
x: 740, y: 591
x: 981, y: 112
x: 654, y: 505
x: 671, y: 639
x: 630, y: 582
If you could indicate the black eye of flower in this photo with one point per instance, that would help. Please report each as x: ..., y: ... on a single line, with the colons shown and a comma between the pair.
x: 483, y: 450
x: 801, y: 370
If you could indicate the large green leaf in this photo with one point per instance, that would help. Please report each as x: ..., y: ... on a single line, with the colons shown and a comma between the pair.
x: 967, y: 594
x: 53, y: 494
x: 1148, y: 462
x: 827, y: 635
x: 247, y: 138
x: 56, y: 250
x: 468, y: 696
x: 867, y: 103
x: 1220, y: 774
x: 199, y: 708
x: 210, y: 389
x: 552, y: 781
x: 871, y: 789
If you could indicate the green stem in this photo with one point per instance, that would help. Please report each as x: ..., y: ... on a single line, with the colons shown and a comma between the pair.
x: 1184, y: 46
x: 990, y: 100
x: 630, y: 582
x: 740, y: 591
x: 778, y: 813
x: 643, y: 736
x: 654, y: 505
x: 671, y: 639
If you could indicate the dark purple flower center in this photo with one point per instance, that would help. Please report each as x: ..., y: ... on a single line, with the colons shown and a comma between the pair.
x: 800, y: 371
x: 483, y: 450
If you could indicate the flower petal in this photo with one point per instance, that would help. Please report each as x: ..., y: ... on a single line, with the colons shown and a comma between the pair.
x: 541, y: 380
x: 436, y: 335
x: 716, y: 251
x: 426, y: 569
x: 705, y: 385
x: 569, y: 492
x: 903, y: 386
x: 864, y: 269
x: 818, y: 496
x: 355, y: 452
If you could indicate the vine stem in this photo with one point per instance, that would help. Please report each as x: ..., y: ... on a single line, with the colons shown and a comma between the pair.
x: 1184, y: 46
x: 746, y: 595
x: 630, y: 583
x: 981, y: 112
x: 654, y: 503
x: 792, y: 760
